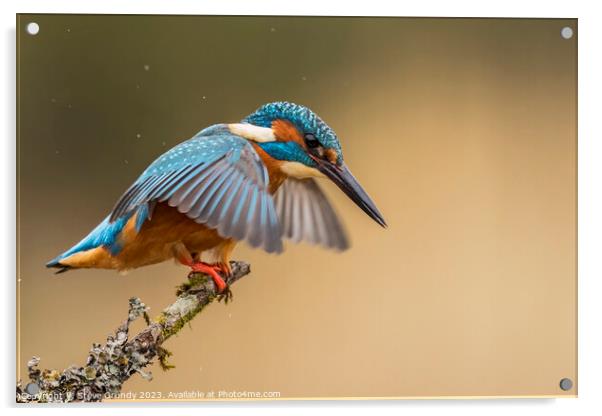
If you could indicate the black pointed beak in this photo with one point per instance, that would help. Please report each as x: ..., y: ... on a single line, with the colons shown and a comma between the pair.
x: 345, y: 180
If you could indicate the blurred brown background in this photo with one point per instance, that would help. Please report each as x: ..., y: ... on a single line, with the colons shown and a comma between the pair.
x: 462, y: 130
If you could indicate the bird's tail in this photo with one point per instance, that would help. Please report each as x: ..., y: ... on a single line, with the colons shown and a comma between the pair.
x: 102, y: 241
x: 103, y: 235
x: 56, y: 264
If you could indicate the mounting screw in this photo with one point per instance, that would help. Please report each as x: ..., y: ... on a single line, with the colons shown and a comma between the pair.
x: 566, y: 384
x: 32, y: 28
x: 566, y: 32
x: 32, y: 389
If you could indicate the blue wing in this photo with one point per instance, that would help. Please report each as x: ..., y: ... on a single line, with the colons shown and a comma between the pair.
x: 216, y: 179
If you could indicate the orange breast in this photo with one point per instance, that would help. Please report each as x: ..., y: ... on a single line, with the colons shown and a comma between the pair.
x: 154, y: 243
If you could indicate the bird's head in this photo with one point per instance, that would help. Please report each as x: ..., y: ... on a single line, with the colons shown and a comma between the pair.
x: 306, y: 147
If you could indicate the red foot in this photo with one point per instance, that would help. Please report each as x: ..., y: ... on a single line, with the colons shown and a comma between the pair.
x: 211, y: 271
x: 224, y: 268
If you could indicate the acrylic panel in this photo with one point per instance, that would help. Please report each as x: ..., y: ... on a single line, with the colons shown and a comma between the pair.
x: 462, y: 132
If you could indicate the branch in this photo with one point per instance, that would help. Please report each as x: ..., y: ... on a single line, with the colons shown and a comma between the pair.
x: 112, y: 364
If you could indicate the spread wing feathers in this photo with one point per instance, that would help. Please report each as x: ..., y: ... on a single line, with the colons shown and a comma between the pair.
x: 216, y: 179
x: 306, y: 214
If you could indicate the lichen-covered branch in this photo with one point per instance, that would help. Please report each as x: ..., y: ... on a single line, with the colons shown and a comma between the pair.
x: 109, y: 366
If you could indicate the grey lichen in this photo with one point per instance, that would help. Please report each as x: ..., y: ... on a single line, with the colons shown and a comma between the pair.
x: 110, y: 365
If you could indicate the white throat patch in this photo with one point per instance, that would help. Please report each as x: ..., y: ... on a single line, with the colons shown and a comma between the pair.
x: 252, y: 132
x: 300, y: 171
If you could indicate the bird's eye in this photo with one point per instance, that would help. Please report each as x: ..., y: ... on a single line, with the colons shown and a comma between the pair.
x: 311, y: 141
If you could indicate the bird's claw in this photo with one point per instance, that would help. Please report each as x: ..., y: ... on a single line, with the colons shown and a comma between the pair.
x: 223, y: 268
x: 224, y: 292
x: 225, y: 295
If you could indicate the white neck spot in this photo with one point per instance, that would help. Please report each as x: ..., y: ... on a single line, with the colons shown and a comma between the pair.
x: 252, y: 132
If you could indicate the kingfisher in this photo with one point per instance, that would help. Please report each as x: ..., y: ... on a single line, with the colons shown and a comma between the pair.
x: 252, y: 181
